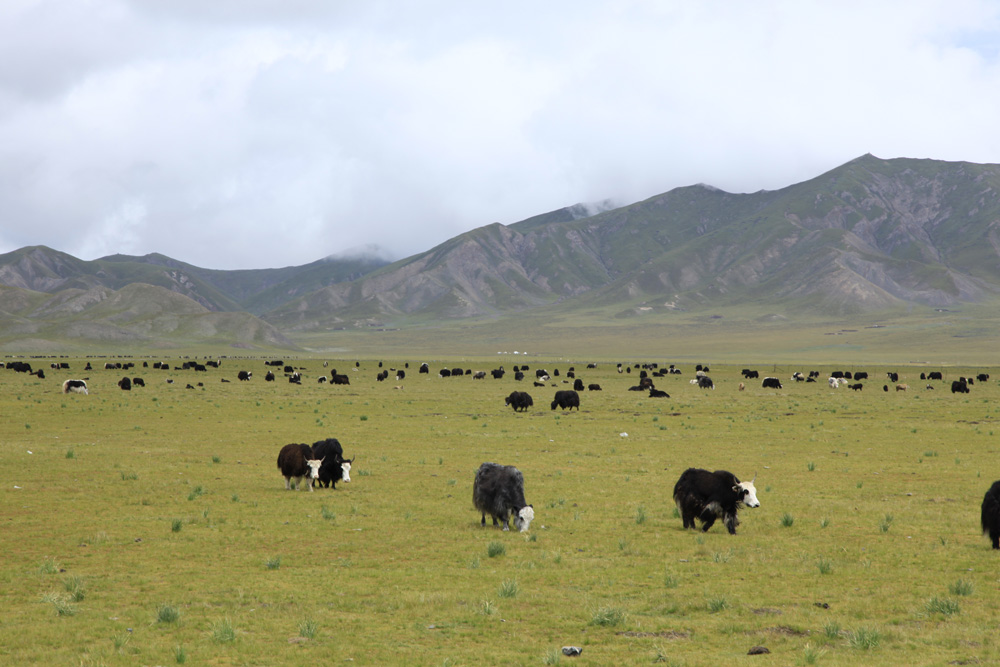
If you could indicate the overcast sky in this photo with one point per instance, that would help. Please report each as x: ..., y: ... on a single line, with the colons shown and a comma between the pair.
x: 265, y: 133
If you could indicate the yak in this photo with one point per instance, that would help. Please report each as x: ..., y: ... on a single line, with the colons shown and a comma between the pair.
x: 991, y: 514
x: 519, y: 400
x: 701, y: 494
x: 335, y: 467
x: 74, y: 386
x: 771, y: 383
x: 566, y: 398
x: 298, y: 461
x: 498, y: 490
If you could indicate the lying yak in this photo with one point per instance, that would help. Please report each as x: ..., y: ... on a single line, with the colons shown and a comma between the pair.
x: 498, y: 490
x: 712, y: 495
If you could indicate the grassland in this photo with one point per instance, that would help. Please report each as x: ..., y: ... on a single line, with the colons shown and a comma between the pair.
x: 152, y: 526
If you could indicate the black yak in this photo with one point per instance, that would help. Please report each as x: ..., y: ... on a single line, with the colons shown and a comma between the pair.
x: 125, y: 384
x: 566, y: 398
x: 771, y: 383
x: 991, y: 514
x: 74, y: 386
x: 335, y: 467
x: 712, y: 495
x: 656, y: 393
x: 519, y: 400
x: 498, y: 490
x: 298, y: 461
x: 243, y: 376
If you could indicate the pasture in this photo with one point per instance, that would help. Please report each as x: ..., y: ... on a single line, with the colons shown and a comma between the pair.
x: 153, y: 527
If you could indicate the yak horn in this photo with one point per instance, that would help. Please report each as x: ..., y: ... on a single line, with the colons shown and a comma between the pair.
x: 754, y: 477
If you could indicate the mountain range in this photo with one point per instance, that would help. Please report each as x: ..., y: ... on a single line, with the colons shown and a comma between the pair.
x: 870, y: 236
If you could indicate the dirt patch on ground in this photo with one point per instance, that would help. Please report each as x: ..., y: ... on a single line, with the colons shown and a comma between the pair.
x: 666, y: 634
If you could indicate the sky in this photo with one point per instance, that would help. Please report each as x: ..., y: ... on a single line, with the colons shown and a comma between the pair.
x: 247, y: 134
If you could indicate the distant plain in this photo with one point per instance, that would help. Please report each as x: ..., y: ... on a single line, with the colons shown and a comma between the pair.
x: 119, y: 507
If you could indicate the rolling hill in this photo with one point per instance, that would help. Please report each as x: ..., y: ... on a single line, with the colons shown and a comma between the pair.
x: 870, y: 236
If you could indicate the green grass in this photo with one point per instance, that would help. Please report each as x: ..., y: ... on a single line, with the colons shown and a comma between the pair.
x: 400, y: 552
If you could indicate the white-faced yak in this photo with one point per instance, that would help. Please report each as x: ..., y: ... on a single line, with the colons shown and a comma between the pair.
x: 297, y: 461
x: 712, y: 495
x: 498, y: 490
x: 335, y: 467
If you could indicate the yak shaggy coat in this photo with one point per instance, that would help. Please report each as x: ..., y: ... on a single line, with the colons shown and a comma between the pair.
x: 498, y: 490
x: 991, y: 514
x: 712, y: 495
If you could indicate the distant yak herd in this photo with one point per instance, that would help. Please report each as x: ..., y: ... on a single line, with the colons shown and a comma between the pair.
x: 498, y: 490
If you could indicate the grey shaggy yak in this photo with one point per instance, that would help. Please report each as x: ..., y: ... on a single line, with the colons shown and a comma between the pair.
x: 498, y: 490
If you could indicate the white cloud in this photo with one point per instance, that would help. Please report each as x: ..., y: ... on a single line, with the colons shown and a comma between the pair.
x: 259, y: 133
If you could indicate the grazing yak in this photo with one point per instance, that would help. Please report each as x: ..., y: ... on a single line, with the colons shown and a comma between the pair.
x: 243, y: 376
x: 593, y: 387
x: 566, y: 398
x: 712, y: 495
x: 519, y: 400
x: 125, y: 384
x: 771, y: 383
x: 959, y: 386
x: 991, y: 514
x: 578, y: 384
x: 74, y: 387
x: 335, y: 467
x: 498, y: 490
x: 297, y: 461
x: 705, y: 382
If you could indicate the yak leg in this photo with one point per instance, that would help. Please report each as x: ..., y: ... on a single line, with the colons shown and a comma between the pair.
x: 995, y: 538
x: 731, y: 522
x: 288, y: 484
x: 707, y: 519
x: 483, y: 522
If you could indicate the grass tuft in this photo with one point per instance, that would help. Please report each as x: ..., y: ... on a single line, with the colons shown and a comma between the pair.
x: 961, y: 587
x: 223, y: 632
x: 308, y: 628
x: 865, y: 639
x: 945, y: 607
x: 508, y: 588
x: 75, y: 588
x: 608, y: 616
x: 494, y: 549
x: 167, y: 614
x: 716, y: 605
x: 273, y: 563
